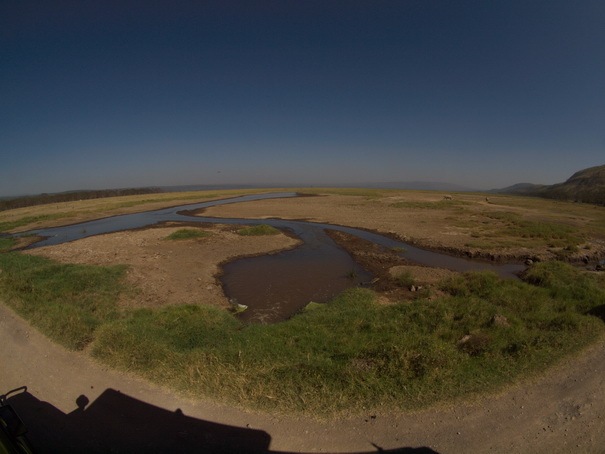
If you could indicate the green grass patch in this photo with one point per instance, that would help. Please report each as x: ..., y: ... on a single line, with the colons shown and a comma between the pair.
x: 259, y: 230
x: 340, y: 357
x: 6, y: 243
x: 187, y: 234
x: 66, y: 302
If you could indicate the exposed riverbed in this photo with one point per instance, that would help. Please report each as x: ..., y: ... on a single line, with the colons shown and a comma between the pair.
x: 276, y: 286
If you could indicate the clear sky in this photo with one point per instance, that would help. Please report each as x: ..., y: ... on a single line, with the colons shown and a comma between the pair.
x: 480, y: 93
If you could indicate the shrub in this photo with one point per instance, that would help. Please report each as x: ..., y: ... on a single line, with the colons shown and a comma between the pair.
x: 186, y: 234
x: 405, y: 279
x: 258, y: 230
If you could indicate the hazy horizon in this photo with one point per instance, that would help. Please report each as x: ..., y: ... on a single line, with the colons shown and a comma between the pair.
x: 478, y: 94
x: 411, y: 185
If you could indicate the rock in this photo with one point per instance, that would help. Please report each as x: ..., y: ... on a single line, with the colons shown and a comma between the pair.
x: 500, y: 320
x: 464, y: 339
x: 529, y: 262
x: 473, y: 344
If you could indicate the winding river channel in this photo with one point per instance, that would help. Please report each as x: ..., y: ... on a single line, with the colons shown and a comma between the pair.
x: 276, y: 286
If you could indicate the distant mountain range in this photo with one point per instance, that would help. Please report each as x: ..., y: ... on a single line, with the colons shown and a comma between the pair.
x: 587, y: 186
x: 413, y: 185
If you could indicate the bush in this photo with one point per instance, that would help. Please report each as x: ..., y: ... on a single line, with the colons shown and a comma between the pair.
x: 186, y: 234
x: 405, y: 279
x: 258, y: 230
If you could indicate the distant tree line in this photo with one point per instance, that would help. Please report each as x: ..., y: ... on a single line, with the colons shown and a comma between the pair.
x: 42, y: 199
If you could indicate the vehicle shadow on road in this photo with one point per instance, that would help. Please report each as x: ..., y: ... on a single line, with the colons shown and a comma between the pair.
x: 118, y: 423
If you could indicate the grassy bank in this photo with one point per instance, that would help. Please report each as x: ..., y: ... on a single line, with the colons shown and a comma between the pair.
x: 66, y: 302
x: 347, y: 355
x: 6, y: 243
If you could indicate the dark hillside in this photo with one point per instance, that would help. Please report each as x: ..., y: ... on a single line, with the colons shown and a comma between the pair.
x: 519, y: 188
x: 587, y: 186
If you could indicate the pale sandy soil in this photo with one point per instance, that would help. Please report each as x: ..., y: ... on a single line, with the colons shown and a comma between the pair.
x: 168, y: 272
x: 562, y: 411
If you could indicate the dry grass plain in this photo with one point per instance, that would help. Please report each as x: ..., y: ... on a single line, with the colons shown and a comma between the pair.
x: 496, y: 226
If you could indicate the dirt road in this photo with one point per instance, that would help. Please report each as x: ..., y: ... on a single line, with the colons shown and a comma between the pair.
x: 562, y: 412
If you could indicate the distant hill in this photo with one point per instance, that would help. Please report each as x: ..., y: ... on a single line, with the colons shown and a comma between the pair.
x: 587, y: 186
x: 519, y: 188
x: 412, y: 185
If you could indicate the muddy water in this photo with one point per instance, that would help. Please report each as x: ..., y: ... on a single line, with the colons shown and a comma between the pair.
x: 274, y: 287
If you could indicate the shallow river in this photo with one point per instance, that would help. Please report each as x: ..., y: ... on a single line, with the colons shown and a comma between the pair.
x: 274, y: 287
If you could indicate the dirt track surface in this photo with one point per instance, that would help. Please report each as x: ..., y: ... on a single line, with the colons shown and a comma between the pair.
x: 563, y: 411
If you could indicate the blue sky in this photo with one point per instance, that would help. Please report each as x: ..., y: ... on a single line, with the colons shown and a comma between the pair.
x: 484, y: 94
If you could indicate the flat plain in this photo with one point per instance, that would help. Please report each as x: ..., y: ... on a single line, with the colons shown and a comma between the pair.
x: 487, y: 227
